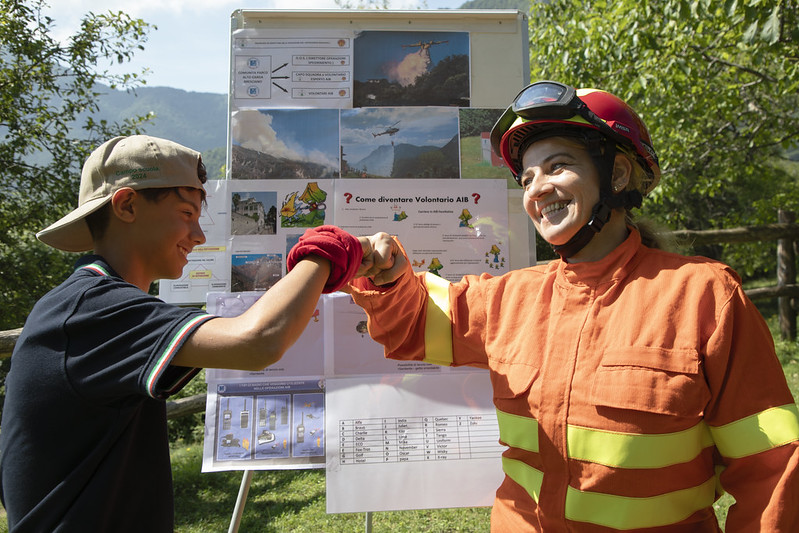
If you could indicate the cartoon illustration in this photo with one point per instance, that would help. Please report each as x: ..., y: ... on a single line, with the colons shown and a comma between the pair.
x: 495, y: 251
x: 398, y: 217
x: 304, y: 210
x: 465, y: 218
x: 418, y: 264
x: 435, y: 266
x: 361, y: 328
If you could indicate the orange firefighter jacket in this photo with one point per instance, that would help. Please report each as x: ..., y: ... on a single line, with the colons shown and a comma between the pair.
x: 630, y: 391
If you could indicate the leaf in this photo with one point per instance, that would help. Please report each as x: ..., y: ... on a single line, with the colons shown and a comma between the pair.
x: 750, y: 33
x: 771, y: 29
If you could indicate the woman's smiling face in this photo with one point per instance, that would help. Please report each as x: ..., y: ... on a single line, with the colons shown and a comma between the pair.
x: 561, y: 187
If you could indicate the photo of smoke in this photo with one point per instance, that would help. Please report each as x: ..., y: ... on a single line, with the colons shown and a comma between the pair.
x: 285, y: 144
x: 398, y: 68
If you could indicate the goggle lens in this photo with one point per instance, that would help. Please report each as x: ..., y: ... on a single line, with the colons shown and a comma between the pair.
x: 539, y: 93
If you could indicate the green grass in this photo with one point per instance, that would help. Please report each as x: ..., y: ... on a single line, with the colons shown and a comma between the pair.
x: 289, y: 501
x: 473, y: 166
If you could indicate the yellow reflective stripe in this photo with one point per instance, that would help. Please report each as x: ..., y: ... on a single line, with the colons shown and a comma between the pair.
x: 525, y: 475
x: 619, y: 512
x: 438, y: 326
x: 757, y: 433
x: 623, y: 512
x: 518, y: 431
x: 627, y: 450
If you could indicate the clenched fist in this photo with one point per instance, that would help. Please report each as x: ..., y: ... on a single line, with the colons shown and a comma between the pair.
x: 383, y: 260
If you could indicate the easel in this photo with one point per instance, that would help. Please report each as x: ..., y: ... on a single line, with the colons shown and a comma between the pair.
x: 244, y: 489
x: 238, y: 510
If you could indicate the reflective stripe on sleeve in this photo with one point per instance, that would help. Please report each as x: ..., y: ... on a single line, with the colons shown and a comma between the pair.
x: 757, y: 433
x: 619, y: 512
x: 438, y: 325
x: 624, y: 450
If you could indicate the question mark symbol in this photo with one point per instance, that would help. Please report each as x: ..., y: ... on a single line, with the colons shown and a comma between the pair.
x: 348, y: 196
x: 476, y: 197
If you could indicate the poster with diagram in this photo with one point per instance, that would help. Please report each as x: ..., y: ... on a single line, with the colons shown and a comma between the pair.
x: 272, y: 418
x: 287, y: 68
x: 265, y: 424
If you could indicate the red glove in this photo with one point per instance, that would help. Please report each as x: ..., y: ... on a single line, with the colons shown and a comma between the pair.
x: 342, y: 249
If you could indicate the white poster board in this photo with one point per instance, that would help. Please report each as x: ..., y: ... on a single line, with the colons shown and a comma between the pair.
x: 372, y: 120
x: 411, y: 442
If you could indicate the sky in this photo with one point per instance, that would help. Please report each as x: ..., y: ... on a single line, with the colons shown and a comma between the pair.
x: 190, y: 50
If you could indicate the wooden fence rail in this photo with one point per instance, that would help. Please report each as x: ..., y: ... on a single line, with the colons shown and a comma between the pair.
x: 786, y: 233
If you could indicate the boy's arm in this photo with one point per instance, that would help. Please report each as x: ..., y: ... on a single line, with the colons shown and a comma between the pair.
x: 324, y: 259
x: 261, y: 335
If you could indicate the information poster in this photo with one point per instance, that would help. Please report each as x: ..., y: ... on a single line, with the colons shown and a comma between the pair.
x: 273, y: 418
x: 373, y: 121
x: 434, y: 436
x: 448, y: 227
x: 265, y: 424
x: 292, y: 68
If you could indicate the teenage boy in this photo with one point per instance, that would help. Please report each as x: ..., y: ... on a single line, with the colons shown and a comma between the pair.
x: 84, y: 442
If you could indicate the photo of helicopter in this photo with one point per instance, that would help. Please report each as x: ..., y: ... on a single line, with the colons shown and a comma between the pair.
x: 390, y: 131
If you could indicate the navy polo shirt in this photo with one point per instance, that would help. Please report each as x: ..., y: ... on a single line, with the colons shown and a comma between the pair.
x: 84, y: 443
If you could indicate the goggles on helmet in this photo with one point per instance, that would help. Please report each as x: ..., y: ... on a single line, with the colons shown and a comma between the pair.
x: 549, y: 100
x: 557, y: 103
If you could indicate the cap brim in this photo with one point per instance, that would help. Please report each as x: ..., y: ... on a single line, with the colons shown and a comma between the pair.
x: 71, y: 233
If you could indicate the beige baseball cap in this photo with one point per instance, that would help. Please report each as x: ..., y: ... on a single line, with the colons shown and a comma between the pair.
x: 138, y: 162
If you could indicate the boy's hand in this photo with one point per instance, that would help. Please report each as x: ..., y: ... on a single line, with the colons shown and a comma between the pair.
x: 383, y: 261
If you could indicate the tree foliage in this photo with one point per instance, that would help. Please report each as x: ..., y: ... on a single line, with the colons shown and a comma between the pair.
x: 48, y: 94
x: 716, y: 83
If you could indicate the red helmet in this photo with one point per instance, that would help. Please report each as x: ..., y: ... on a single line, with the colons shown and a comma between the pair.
x: 552, y: 106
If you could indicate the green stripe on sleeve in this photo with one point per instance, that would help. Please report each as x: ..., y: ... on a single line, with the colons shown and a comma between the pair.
x: 757, y: 433
x: 438, y: 326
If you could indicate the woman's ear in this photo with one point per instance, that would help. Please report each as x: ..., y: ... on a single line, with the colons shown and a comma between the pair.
x: 122, y: 204
x: 622, y: 172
